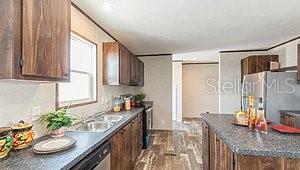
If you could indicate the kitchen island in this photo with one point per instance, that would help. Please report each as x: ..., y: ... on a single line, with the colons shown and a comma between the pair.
x: 226, y: 146
x: 86, y: 143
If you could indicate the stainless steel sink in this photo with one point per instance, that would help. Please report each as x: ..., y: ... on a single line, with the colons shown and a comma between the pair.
x: 94, y: 127
x: 110, y: 118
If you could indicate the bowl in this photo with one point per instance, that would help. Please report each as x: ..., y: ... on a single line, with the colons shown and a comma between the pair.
x: 6, y: 141
x: 22, y: 134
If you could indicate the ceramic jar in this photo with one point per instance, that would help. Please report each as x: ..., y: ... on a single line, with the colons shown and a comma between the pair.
x: 22, y: 134
x: 6, y: 141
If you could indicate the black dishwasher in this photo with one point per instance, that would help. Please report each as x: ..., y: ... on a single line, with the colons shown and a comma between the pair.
x: 98, y: 159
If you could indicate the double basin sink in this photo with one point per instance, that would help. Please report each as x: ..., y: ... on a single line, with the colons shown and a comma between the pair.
x: 100, y: 123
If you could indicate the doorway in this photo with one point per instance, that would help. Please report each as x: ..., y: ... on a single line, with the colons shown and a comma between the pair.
x: 199, y: 89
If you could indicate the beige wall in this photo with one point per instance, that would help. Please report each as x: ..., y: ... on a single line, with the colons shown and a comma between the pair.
x: 17, y: 98
x: 287, y: 53
x: 158, y: 88
x: 200, y: 89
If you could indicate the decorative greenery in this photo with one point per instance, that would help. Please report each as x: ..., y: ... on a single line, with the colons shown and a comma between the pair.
x: 56, y: 120
x: 140, y: 97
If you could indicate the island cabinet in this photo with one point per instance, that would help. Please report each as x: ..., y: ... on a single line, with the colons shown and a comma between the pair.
x: 121, y: 66
x: 35, y: 39
x: 126, y: 145
x: 288, y: 120
x: 217, y: 155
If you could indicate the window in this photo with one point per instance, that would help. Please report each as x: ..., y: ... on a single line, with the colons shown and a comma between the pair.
x: 82, y: 88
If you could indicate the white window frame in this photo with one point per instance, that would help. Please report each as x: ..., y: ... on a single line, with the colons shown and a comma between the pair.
x: 92, y: 77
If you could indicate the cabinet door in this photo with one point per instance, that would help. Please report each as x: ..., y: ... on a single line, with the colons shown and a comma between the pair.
x: 226, y: 157
x: 205, y: 146
x: 124, y: 65
x: 46, y: 38
x: 6, y: 41
x: 127, y: 137
x: 115, y: 162
x: 214, y: 150
x: 133, y: 65
x: 134, y: 124
x: 141, y: 73
x: 111, y: 65
x: 288, y: 120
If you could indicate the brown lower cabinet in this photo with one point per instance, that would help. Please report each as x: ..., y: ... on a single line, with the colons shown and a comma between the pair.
x: 126, y: 145
x: 218, y: 156
x: 289, y: 120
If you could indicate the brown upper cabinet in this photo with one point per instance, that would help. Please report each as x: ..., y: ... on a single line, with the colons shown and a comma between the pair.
x: 120, y: 66
x: 35, y: 39
x: 257, y: 63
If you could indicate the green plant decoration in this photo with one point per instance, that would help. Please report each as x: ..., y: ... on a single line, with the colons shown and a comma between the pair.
x: 56, y: 120
x: 140, y: 97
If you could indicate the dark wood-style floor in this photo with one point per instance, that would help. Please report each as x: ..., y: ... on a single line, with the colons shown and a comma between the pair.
x: 179, y: 149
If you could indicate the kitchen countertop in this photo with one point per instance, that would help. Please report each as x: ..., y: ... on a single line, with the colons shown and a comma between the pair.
x: 245, y: 142
x: 86, y: 143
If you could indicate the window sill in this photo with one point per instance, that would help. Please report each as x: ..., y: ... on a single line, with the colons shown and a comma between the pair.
x: 65, y: 104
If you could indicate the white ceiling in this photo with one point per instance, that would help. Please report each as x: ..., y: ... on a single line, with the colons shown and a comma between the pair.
x: 181, y: 26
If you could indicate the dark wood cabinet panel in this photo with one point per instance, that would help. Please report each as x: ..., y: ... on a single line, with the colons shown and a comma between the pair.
x: 214, y: 151
x: 124, y: 65
x: 35, y: 37
x: 46, y: 38
x: 118, y: 64
x: 115, y: 163
x: 6, y: 42
x: 126, y: 145
x: 245, y: 162
x: 136, y: 71
x: 226, y: 157
x: 257, y: 63
x: 288, y: 120
x: 222, y: 157
x: 111, y: 63
x: 205, y: 146
x: 141, y: 73
x: 136, y: 137
x: 127, y: 137
x: 133, y: 67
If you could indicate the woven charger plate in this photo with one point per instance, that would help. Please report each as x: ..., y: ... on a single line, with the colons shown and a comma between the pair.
x: 54, y: 145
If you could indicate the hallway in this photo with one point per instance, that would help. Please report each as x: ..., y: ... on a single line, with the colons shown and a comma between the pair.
x: 179, y: 149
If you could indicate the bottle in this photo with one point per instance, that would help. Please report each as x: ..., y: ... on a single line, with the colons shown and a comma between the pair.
x: 127, y: 104
x: 117, y: 106
x: 251, y: 112
x: 261, y: 122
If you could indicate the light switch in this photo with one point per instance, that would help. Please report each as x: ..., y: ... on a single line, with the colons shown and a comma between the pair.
x: 35, y: 112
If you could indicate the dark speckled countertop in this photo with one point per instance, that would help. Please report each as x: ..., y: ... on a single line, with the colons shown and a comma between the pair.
x: 245, y: 142
x: 86, y: 143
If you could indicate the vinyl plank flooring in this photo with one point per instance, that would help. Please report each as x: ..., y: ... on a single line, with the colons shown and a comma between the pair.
x: 179, y: 149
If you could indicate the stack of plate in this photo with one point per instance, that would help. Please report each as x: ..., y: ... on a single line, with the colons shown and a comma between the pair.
x: 54, y: 145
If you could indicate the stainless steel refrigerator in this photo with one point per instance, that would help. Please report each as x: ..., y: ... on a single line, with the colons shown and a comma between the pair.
x: 279, y: 91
